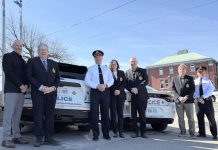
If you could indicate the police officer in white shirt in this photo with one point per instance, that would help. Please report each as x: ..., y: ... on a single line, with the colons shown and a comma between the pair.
x: 203, y: 91
x: 99, y: 78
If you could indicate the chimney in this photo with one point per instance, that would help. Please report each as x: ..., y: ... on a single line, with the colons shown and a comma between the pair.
x: 184, y: 51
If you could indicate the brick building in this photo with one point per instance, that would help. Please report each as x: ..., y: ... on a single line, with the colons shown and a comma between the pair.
x: 161, y: 73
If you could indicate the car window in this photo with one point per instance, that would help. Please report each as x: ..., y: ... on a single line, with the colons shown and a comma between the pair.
x: 72, y: 71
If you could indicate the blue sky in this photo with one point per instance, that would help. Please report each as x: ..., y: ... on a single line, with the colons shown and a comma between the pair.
x: 146, y: 29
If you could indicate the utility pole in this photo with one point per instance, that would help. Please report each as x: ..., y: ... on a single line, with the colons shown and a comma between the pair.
x: 20, y: 4
x: 3, y: 27
x: 3, y: 47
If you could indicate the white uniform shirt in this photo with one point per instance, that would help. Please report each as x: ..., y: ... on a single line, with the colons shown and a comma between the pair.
x: 92, y: 76
x: 208, y: 87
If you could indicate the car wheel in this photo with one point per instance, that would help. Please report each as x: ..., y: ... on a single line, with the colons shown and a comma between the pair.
x: 159, y: 126
x: 213, y: 98
x: 84, y: 128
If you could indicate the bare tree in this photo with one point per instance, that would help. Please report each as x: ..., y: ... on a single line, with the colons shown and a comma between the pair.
x: 32, y: 37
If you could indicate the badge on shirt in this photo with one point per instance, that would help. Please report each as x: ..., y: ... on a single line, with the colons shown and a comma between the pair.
x: 121, y: 79
x: 140, y: 78
x: 187, y: 85
x: 53, y: 70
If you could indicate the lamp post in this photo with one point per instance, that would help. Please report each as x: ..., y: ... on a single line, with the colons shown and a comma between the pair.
x: 19, y: 3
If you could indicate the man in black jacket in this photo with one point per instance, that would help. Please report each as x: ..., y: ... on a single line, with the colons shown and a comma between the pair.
x: 43, y: 74
x: 183, y: 88
x: 15, y: 86
x: 137, y: 80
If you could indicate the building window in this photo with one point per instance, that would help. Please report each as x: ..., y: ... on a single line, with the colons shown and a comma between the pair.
x: 166, y: 83
x: 192, y: 68
x: 171, y: 70
x: 161, y: 84
x: 161, y: 71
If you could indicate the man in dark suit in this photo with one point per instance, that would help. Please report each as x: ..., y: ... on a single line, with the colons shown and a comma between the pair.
x: 43, y: 74
x: 137, y: 80
x: 15, y: 86
x: 117, y: 98
x: 183, y: 88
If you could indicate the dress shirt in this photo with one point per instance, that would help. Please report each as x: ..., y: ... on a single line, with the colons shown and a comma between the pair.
x: 115, y: 74
x: 92, y: 76
x: 208, y: 87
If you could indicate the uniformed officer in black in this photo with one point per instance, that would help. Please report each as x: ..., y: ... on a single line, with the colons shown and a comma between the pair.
x: 203, y: 91
x: 99, y: 78
x: 117, y: 98
x: 137, y: 80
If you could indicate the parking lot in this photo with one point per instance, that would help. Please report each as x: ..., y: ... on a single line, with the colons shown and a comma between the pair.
x: 72, y: 139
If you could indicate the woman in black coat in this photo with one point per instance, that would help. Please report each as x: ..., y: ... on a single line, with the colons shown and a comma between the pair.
x: 117, y: 98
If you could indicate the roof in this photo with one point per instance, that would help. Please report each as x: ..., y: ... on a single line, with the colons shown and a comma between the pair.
x: 180, y: 58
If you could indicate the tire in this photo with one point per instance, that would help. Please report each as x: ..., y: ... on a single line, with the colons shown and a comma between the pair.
x: 85, y: 128
x: 213, y: 98
x: 159, y: 126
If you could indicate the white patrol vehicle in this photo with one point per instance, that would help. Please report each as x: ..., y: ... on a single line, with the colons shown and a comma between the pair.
x: 73, y: 104
x: 160, y: 109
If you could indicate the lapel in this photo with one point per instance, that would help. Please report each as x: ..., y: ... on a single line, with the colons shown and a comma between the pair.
x: 185, y: 80
x: 178, y: 82
x: 41, y: 64
x: 130, y: 74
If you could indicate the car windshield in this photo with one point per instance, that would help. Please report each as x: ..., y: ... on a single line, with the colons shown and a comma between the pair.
x: 150, y: 89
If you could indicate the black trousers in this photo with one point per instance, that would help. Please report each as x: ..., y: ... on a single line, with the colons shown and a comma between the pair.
x: 138, y: 105
x: 101, y: 99
x: 208, y: 110
x: 116, y: 111
x: 43, y: 112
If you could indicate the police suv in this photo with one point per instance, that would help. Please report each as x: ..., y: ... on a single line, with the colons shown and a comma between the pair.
x: 160, y: 109
x: 73, y: 104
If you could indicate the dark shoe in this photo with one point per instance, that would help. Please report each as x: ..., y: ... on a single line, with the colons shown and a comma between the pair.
x: 135, y: 135
x: 107, y: 138
x: 144, y: 136
x: 181, y: 135
x: 192, y: 136
x: 121, y: 135
x: 95, y: 138
x: 115, y: 135
x: 8, y: 144
x: 19, y: 141
x: 52, y: 142
x: 38, y: 143
x: 201, y: 135
x: 214, y: 137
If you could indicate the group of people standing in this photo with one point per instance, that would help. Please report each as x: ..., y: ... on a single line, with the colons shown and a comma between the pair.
x: 107, y: 91
x: 107, y: 86
x: 42, y: 74
x: 188, y: 91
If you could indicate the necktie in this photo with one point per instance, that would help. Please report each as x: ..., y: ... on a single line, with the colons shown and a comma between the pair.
x: 134, y: 75
x: 100, y: 75
x: 45, y: 65
x: 201, y: 88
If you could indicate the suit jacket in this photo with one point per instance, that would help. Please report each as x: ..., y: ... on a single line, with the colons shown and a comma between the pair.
x: 14, y: 68
x: 140, y: 82
x: 38, y: 75
x: 181, y: 90
x: 119, y: 84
